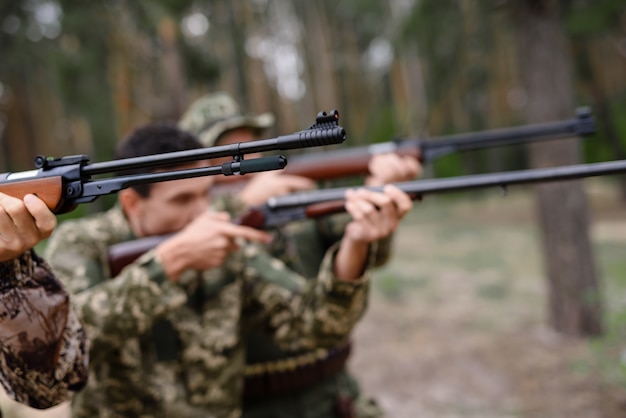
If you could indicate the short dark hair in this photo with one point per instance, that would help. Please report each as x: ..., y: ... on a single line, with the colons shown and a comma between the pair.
x: 155, y: 138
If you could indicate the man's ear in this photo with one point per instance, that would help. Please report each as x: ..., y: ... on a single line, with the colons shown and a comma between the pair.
x: 130, y: 201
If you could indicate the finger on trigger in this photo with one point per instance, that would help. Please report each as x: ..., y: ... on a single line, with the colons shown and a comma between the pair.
x: 248, y: 233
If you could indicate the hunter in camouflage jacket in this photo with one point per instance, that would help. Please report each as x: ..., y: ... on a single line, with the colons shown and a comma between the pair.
x: 160, y: 349
x: 43, y: 350
x: 301, y: 246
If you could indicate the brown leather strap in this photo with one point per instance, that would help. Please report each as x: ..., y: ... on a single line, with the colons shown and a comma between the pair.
x: 273, y: 382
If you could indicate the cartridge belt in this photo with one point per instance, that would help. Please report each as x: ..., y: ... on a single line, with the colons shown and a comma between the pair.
x: 293, y: 374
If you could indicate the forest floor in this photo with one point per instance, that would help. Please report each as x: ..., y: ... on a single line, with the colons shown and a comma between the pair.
x: 457, y: 323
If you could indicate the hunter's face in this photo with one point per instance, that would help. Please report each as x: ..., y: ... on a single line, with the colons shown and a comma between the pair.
x: 170, y: 206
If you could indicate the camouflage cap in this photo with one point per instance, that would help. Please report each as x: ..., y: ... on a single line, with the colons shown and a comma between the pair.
x: 212, y: 115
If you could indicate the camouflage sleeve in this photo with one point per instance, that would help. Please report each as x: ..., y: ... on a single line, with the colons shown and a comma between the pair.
x: 301, y: 314
x: 43, y: 347
x: 129, y: 304
x: 111, y: 309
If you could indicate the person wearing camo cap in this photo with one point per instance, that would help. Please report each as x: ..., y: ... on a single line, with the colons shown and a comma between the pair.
x: 292, y: 383
x: 166, y: 332
x: 43, y: 346
x: 210, y: 116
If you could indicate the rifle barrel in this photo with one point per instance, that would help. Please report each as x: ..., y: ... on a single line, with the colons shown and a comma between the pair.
x: 421, y: 187
x: 293, y: 207
x: 325, y: 134
x: 583, y: 125
x: 113, y: 184
x: 354, y: 161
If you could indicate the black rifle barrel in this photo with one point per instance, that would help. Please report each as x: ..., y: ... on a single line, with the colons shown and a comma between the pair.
x: 431, y: 148
x: 421, y: 187
x: 326, y: 132
x: 583, y: 125
x: 280, y: 210
x: 113, y: 184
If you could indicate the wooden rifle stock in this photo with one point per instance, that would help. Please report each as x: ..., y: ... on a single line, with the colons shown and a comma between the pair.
x: 329, y: 165
x: 122, y: 254
x: 315, y: 204
x: 48, y: 189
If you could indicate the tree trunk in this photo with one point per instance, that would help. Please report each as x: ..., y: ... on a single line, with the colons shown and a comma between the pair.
x: 173, y: 79
x: 18, y: 135
x: 238, y: 36
x: 574, y: 295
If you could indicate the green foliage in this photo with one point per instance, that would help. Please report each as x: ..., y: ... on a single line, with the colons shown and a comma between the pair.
x: 435, y: 26
x: 592, y: 17
x: 389, y: 285
x: 598, y: 148
x: 382, y: 126
x: 610, y: 349
x: 172, y: 7
x: 75, y: 63
x: 200, y: 67
x: 394, y: 283
x: 618, y: 108
x: 448, y: 166
x: 366, y: 17
x: 20, y: 55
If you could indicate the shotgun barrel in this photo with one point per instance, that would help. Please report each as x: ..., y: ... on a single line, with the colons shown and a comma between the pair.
x: 315, y: 204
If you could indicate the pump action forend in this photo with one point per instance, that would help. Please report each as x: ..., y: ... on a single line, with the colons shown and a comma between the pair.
x: 62, y: 183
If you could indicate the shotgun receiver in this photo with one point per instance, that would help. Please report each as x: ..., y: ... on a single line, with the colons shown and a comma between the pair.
x: 354, y: 161
x: 315, y: 204
x: 62, y: 183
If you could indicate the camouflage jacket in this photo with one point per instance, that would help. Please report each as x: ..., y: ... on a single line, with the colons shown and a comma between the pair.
x: 43, y: 351
x: 160, y: 349
x: 302, y: 246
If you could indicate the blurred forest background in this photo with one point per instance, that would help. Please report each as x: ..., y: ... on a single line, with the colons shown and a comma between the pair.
x: 76, y: 76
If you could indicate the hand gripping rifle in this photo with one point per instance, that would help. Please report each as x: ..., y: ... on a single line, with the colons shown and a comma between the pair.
x: 315, y: 204
x: 354, y: 161
x: 62, y: 183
